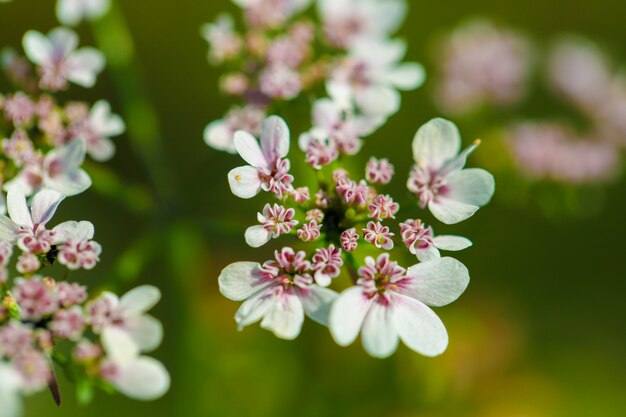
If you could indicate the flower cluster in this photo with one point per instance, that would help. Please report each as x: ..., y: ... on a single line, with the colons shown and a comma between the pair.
x: 285, y: 56
x: 47, y: 322
x: 483, y: 64
x: 344, y: 219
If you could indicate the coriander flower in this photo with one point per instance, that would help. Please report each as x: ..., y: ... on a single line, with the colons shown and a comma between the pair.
x: 278, y: 292
x: 391, y: 303
x: 268, y: 171
x: 98, y: 129
x: 72, y: 12
x: 421, y: 241
x: 59, y: 61
x: 451, y: 193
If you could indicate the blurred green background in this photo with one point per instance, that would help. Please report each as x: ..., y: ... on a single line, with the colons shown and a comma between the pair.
x: 541, y: 331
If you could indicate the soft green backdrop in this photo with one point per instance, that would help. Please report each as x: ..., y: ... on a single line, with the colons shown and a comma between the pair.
x: 540, y: 332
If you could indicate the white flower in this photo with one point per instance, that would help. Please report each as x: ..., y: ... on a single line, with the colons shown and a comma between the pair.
x: 10, y: 391
x: 372, y: 74
x: 28, y: 226
x: 391, y: 303
x: 268, y: 170
x: 274, y: 296
x: 139, y: 377
x: 347, y: 21
x: 451, y: 193
x: 128, y: 314
x: 59, y: 61
x: 101, y: 126
x: 72, y: 12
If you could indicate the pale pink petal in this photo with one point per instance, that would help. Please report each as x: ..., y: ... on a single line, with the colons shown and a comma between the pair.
x: 418, y: 326
x: 379, y: 336
x: 347, y: 314
x: 139, y: 300
x: 241, y: 280
x: 244, y: 182
x: 257, y: 236
x: 285, y: 317
x: 317, y: 302
x: 435, y: 143
x: 438, y: 282
x: 44, y: 205
x: 274, y: 138
x: 17, y: 207
x: 84, y: 65
x: 248, y: 148
x: 452, y: 243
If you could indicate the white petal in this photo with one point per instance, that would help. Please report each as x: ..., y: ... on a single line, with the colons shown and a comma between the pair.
x: 44, y: 205
x: 104, y: 122
x: 84, y: 65
x: 285, y: 316
x: 10, y: 387
x: 326, y: 113
x: 347, y: 314
x: 17, y: 207
x: 37, y: 47
x: 63, y: 41
x: 379, y: 336
x: 118, y: 345
x: 143, y: 379
x: 435, y: 143
x: 8, y: 229
x: 244, y: 182
x: 274, y: 138
x: 249, y: 149
x: 257, y: 236
x: 419, y: 327
x: 254, y: 308
x: 428, y: 253
x: 473, y: 186
x: 452, y: 243
x: 146, y: 331
x: 139, y: 300
x: 407, y: 76
x: 241, y: 280
x: 438, y: 282
x: 69, y: 183
x: 83, y: 230
x: 450, y: 211
x: 317, y: 302
x: 68, y: 12
x: 101, y: 150
x: 378, y: 100
x: 68, y: 157
x: 218, y: 136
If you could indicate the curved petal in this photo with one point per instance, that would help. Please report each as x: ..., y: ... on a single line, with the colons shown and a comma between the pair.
x: 379, y: 335
x: 244, y: 182
x: 419, y: 327
x: 101, y: 150
x: 378, y: 100
x: 326, y: 113
x: 63, y: 41
x: 450, y: 211
x: 69, y: 183
x: 146, y: 331
x: 257, y: 236
x: 104, y: 122
x: 347, y: 314
x: 139, y: 300
x: 317, y: 302
x: 68, y: 12
x: 44, y: 205
x: 118, y: 345
x: 274, y: 138
x: 473, y: 186
x: 438, y: 282
x: 436, y: 142
x: 285, y: 317
x: 249, y: 149
x: 37, y: 47
x: 84, y: 66
x: 66, y: 158
x: 17, y: 207
x: 407, y: 76
x: 255, y: 308
x: 8, y: 229
x: 241, y: 280
x: 218, y: 136
x: 142, y: 379
x: 10, y: 391
x: 452, y: 243
x: 83, y: 230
